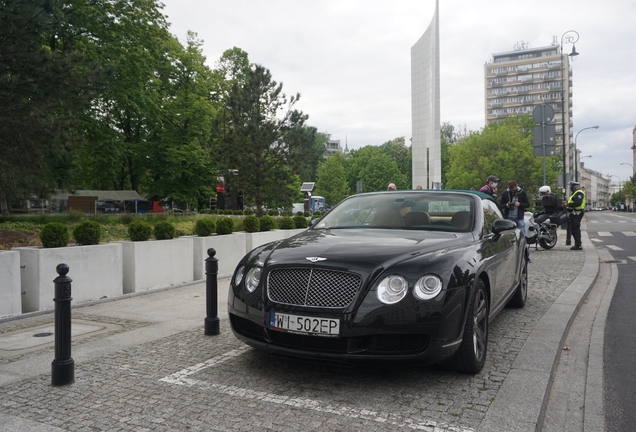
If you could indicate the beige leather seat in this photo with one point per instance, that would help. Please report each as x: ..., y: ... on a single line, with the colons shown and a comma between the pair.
x: 461, y: 219
x: 416, y: 219
x: 389, y: 217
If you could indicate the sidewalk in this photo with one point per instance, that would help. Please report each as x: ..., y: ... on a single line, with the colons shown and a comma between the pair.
x: 152, y: 335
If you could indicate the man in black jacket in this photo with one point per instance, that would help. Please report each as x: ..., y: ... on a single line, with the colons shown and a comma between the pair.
x: 514, y: 202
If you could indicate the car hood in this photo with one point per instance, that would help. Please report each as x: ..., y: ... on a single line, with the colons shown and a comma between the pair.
x: 351, y: 249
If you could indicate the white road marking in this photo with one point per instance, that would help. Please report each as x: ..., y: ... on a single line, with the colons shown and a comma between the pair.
x: 629, y: 233
x: 181, y: 378
x: 632, y: 258
x: 616, y: 248
x: 596, y: 240
x: 605, y: 234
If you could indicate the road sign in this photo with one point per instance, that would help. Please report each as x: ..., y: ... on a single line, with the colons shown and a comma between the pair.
x: 550, y: 135
x: 543, y: 113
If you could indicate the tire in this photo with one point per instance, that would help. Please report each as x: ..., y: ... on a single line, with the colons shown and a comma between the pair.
x: 471, y: 354
x: 519, y: 298
x: 551, y: 241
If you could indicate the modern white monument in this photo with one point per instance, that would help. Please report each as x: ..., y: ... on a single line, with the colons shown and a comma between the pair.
x: 425, y: 110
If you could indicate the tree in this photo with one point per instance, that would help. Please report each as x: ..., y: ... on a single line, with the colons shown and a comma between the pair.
x: 402, y: 155
x: 503, y: 149
x: 332, y: 180
x: 46, y: 82
x: 375, y: 168
x: 259, y: 142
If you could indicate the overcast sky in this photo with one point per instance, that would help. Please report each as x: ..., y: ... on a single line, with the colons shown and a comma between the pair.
x: 351, y: 60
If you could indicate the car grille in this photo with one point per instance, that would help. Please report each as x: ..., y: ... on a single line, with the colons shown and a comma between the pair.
x: 312, y: 287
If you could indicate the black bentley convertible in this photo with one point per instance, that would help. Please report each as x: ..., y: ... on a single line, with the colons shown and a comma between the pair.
x: 389, y: 276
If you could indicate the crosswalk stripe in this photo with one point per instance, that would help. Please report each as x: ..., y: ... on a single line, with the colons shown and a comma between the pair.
x: 632, y: 258
x: 616, y: 248
x: 596, y: 240
x: 629, y: 233
x: 605, y: 234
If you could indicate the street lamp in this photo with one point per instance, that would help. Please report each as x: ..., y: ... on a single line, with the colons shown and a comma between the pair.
x: 576, y: 159
x: 572, y: 37
x: 630, y: 166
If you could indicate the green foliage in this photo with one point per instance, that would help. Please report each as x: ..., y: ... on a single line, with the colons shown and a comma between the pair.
x: 164, y: 230
x: 139, y: 230
x: 286, y: 223
x: 251, y: 224
x: 272, y: 212
x: 248, y: 212
x: 331, y: 182
x: 54, y: 234
x: 224, y: 226
x: 286, y: 213
x: 267, y: 223
x: 87, y: 232
x: 271, y: 135
x: 204, y: 227
x: 375, y: 168
x: 300, y: 222
x: 503, y: 149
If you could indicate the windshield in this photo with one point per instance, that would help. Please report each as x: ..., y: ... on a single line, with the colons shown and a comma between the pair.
x: 437, y: 211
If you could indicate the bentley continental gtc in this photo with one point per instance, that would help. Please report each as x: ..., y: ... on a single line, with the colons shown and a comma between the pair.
x: 392, y: 276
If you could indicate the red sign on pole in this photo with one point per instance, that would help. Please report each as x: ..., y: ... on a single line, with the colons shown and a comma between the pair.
x: 220, y: 188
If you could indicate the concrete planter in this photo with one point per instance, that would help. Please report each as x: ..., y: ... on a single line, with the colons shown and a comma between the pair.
x: 254, y: 240
x: 230, y: 248
x: 10, y: 291
x: 96, y: 271
x: 156, y: 263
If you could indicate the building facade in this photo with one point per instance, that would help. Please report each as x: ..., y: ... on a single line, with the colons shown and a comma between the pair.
x: 518, y: 81
x: 332, y: 147
x: 596, y: 186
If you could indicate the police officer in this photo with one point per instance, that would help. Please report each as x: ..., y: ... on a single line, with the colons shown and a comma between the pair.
x: 576, y: 207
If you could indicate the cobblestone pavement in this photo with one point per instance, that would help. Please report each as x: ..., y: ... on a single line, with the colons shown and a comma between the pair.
x: 192, y: 382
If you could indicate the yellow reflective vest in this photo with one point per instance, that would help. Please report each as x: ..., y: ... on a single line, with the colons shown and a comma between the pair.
x: 570, y: 200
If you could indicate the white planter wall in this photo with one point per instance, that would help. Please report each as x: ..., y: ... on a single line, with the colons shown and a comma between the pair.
x: 230, y: 248
x: 10, y: 297
x: 96, y: 271
x: 254, y: 240
x: 156, y: 263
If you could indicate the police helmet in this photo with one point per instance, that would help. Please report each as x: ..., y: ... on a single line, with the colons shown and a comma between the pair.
x: 544, y: 190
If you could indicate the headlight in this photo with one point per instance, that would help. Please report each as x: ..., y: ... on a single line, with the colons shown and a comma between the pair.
x: 392, y: 289
x: 238, y: 277
x: 253, y: 278
x: 427, y: 287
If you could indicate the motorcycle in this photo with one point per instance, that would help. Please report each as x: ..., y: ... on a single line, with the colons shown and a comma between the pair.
x: 541, y: 228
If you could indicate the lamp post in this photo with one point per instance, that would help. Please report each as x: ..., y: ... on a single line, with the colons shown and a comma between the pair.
x: 631, y: 207
x: 572, y: 37
x: 576, y: 158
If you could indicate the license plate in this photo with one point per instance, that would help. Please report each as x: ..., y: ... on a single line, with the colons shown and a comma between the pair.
x: 304, y: 325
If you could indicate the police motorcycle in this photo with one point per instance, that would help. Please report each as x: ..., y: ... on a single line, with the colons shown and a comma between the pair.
x: 541, y: 227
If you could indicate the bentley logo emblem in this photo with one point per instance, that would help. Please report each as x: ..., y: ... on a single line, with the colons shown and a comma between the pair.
x: 315, y: 259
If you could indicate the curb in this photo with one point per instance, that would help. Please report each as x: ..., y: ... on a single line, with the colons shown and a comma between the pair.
x: 522, y: 399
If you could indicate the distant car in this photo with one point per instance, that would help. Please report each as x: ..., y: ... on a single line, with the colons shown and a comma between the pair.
x: 411, y: 276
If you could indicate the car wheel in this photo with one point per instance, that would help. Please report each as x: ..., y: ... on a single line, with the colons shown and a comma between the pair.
x: 551, y: 241
x: 518, y: 300
x: 471, y: 354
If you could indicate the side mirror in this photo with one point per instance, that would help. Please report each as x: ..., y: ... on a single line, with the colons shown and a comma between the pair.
x: 503, y: 225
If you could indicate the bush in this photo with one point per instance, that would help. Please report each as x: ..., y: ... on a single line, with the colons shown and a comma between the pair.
x: 252, y: 224
x: 248, y: 212
x: 54, y: 234
x: 87, y: 232
x: 139, y: 230
x: 237, y: 212
x: 272, y: 212
x: 267, y: 223
x: 224, y: 226
x: 306, y: 214
x: 287, y: 213
x: 204, y: 227
x: 286, y: 223
x: 164, y: 230
x: 300, y: 213
x: 300, y: 221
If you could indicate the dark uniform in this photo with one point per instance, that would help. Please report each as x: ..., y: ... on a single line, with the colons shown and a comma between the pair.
x: 576, y: 208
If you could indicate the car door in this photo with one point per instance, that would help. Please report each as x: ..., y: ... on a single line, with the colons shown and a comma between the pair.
x: 501, y: 253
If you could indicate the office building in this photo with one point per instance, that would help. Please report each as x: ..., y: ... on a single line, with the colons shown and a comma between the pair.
x: 517, y: 81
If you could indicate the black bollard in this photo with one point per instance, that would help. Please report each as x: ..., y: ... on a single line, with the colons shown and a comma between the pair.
x: 211, y: 291
x: 63, y: 366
